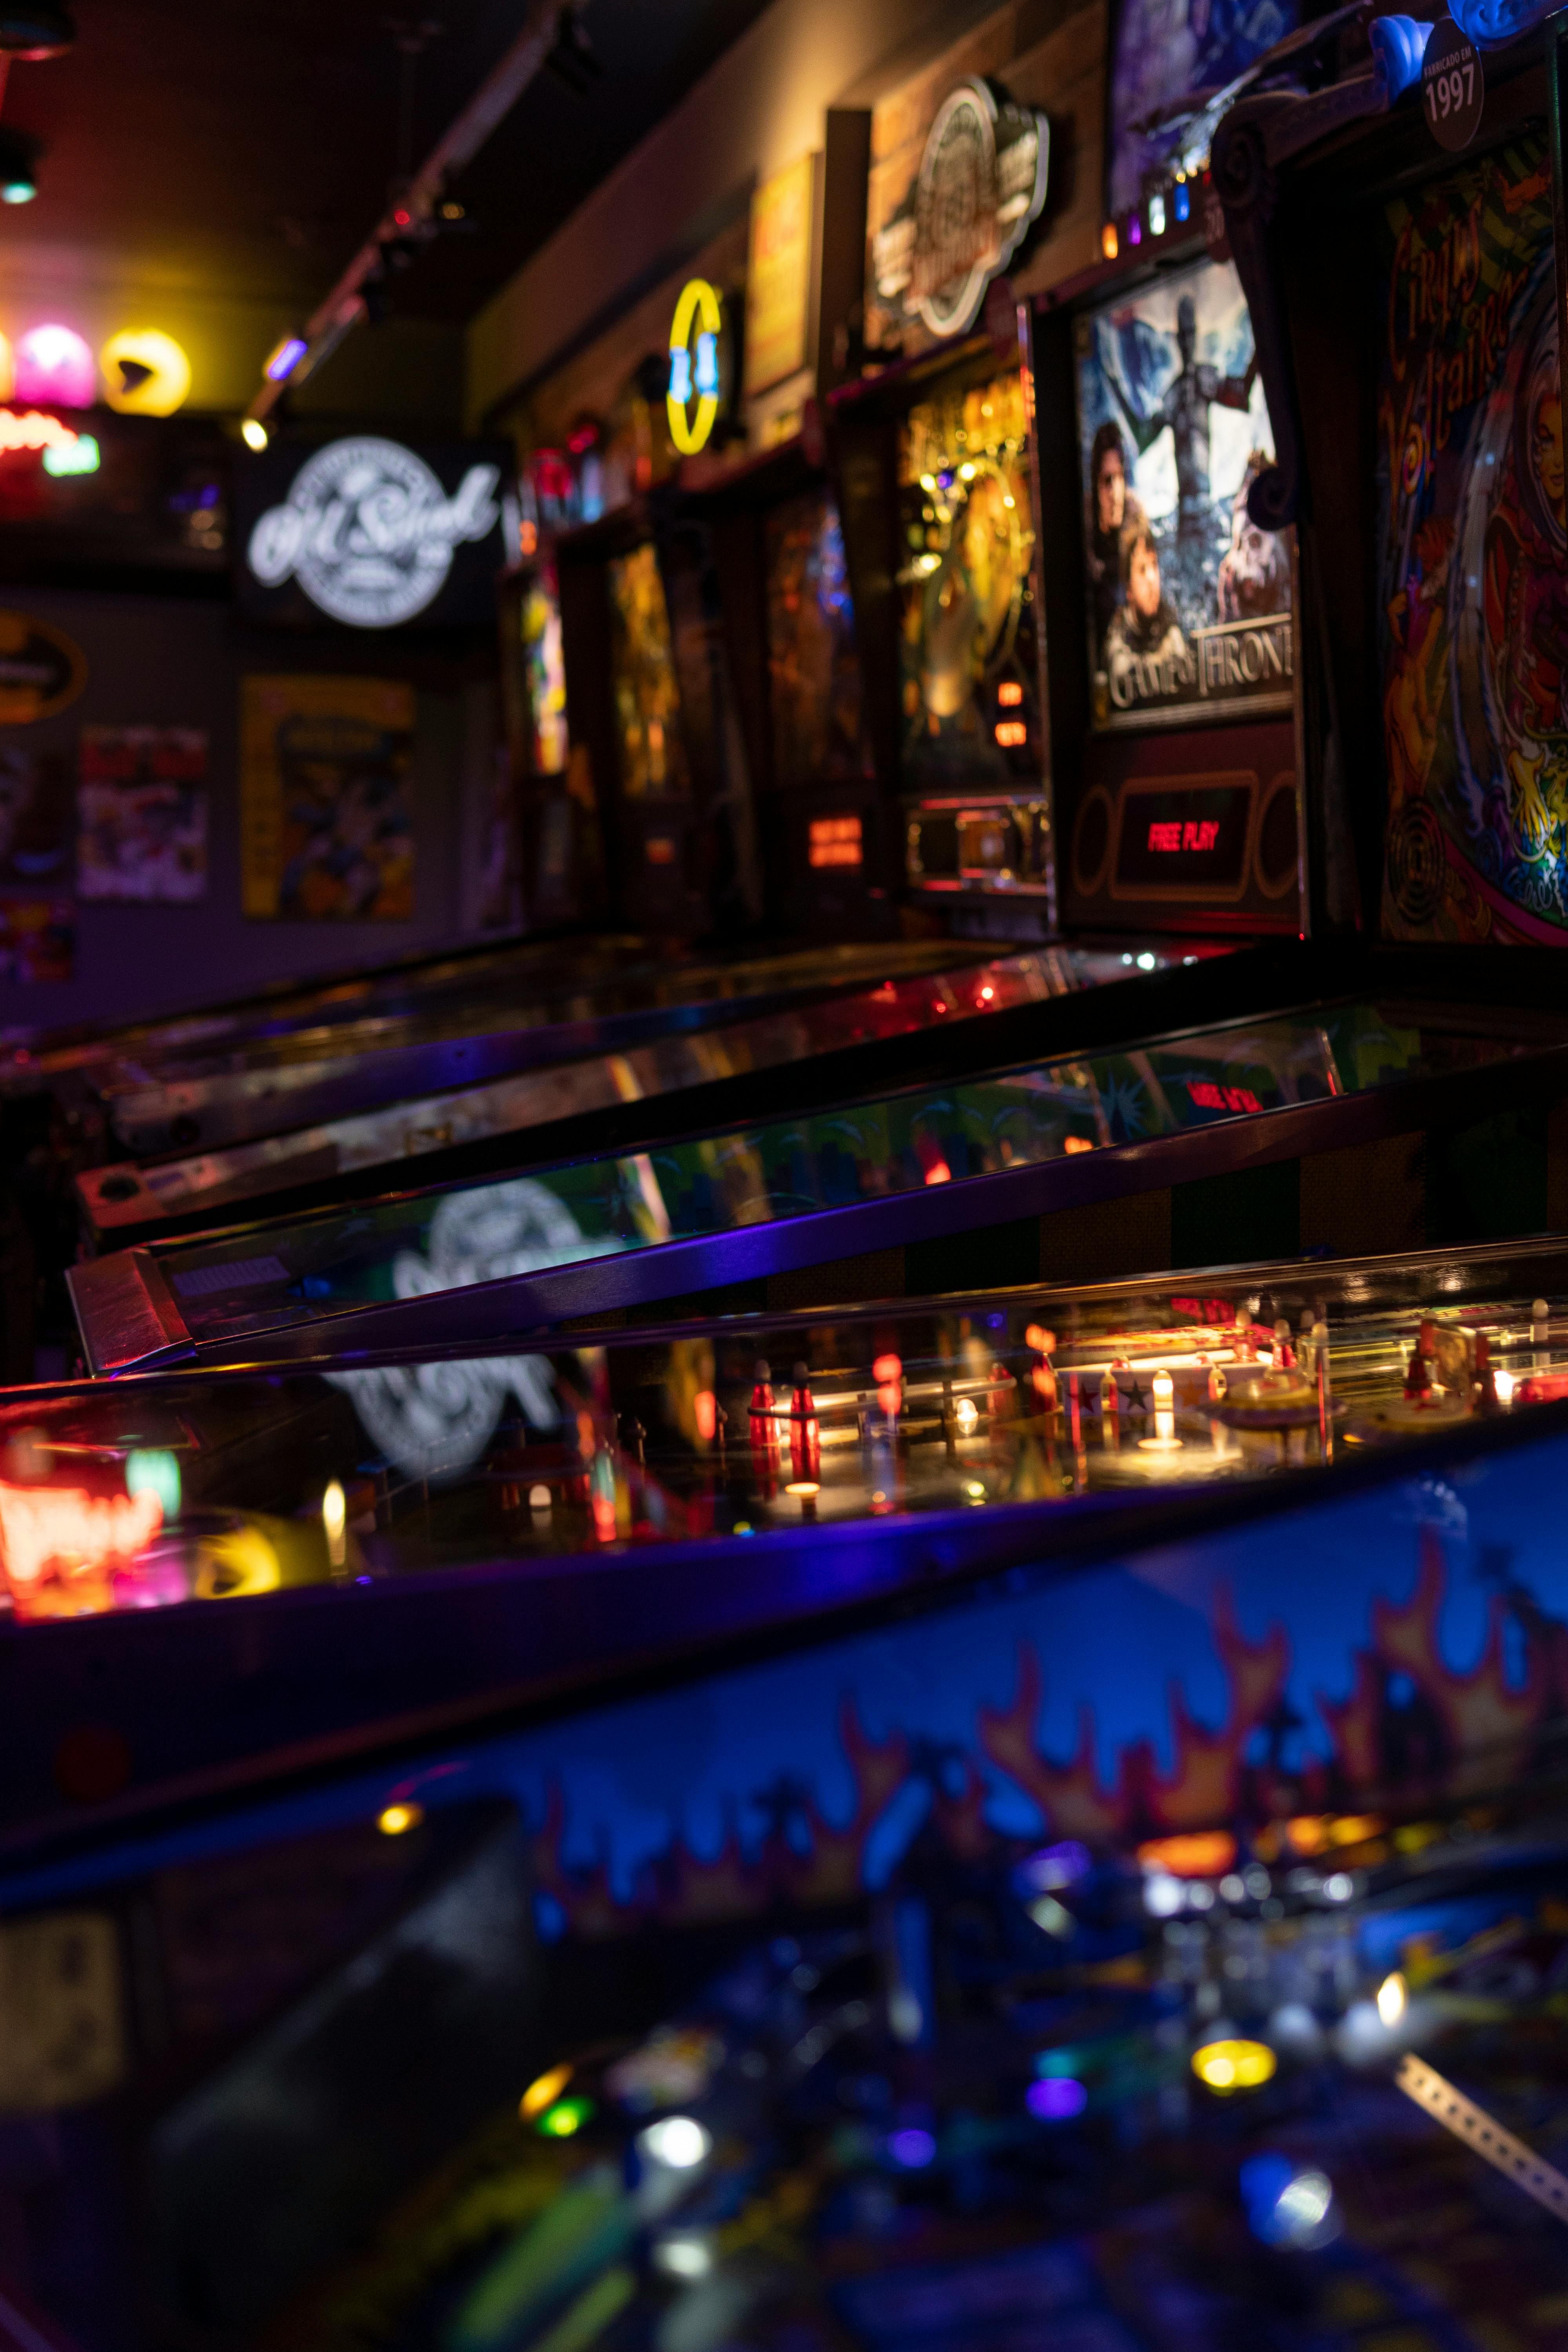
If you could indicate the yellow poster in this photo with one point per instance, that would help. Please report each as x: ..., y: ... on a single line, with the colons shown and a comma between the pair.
x: 778, y: 276
x: 326, y: 799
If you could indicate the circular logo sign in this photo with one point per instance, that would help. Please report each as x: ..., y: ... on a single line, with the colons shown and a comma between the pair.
x: 40, y: 670
x: 368, y: 531
x: 1453, y: 86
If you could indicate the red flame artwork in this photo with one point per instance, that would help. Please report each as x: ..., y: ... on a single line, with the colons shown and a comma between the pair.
x: 1412, y: 1731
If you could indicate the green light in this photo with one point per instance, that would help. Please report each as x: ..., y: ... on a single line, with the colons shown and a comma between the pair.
x: 80, y: 457
x: 566, y: 2117
x: 18, y: 192
x: 155, y: 1473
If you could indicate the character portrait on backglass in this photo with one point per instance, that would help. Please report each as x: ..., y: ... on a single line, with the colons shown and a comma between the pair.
x: 1166, y: 58
x: 1189, y: 602
x: 1473, y: 559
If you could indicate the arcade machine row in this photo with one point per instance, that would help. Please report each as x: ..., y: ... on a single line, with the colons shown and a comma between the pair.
x: 651, y: 719
x: 966, y: 1980
x: 1084, y: 675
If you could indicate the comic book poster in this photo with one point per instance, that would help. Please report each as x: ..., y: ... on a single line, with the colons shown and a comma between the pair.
x: 326, y: 799
x: 37, y: 939
x: 1472, y: 558
x: 814, y: 667
x: 1189, y: 602
x: 141, y: 813
x: 34, y: 813
x: 647, y: 702
x: 1172, y: 62
x: 969, y: 674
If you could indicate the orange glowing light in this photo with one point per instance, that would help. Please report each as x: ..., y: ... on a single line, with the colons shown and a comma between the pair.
x: 72, y: 1531
x: 1309, y: 1832
x: 1199, y: 1854
x: 1110, y: 242
x: 1037, y: 1335
x: 834, y: 841
x: 605, y: 1518
x: 1009, y: 694
x: 705, y: 1412
x: 986, y: 995
x: 939, y: 1172
x: 1076, y: 1143
x: 887, y: 1367
x: 543, y: 2093
x: 1011, y: 734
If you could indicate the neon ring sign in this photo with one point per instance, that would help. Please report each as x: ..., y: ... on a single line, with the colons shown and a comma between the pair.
x: 693, y: 366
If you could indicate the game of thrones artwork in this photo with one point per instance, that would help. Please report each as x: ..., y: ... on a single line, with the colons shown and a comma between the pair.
x: 1473, y: 568
x: 1189, y: 602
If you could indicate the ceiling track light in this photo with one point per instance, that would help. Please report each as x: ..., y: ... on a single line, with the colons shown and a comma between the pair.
x: 419, y: 207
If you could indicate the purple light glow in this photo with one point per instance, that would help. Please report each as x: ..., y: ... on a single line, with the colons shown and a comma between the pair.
x: 912, y: 2148
x: 1057, y: 2099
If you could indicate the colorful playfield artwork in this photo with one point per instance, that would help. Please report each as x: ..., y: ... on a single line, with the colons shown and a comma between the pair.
x: 1473, y: 559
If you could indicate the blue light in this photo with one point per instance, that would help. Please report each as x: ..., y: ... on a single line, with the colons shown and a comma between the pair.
x: 286, y: 358
x: 1056, y: 2099
x: 1285, y: 2207
x: 1053, y: 1867
x: 1181, y: 200
x: 707, y: 374
x: 679, y: 373
x: 913, y: 2148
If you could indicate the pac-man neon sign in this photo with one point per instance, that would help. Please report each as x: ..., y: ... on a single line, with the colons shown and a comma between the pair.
x: 694, y: 366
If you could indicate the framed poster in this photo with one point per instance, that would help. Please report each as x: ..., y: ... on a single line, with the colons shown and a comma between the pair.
x: 816, y: 703
x: 141, y: 813
x: 1172, y: 62
x: 1472, y: 558
x: 1189, y: 605
x: 326, y: 800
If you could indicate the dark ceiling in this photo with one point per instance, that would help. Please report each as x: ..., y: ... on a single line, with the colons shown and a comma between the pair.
x: 247, y: 146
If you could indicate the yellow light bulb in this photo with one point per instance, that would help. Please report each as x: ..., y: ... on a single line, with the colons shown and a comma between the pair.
x: 1391, y: 2000
x: 1233, y: 2065
x: 394, y: 1819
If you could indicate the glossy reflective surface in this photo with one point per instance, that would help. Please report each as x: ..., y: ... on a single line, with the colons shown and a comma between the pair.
x: 265, y: 1277
x: 212, y: 1180
x: 167, y: 1489
x: 546, y: 1010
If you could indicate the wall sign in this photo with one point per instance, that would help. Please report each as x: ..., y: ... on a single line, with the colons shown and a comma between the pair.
x: 145, y: 372
x: 778, y: 275
x: 41, y: 670
x: 1453, y: 88
x: 694, y: 366
x: 370, y: 533
x: 980, y: 184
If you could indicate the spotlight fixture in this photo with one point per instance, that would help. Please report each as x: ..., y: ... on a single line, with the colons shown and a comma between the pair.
x: 18, y: 166
x: 35, y: 28
x: 254, y: 433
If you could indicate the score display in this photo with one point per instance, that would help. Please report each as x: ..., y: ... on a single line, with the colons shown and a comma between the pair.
x: 1176, y: 835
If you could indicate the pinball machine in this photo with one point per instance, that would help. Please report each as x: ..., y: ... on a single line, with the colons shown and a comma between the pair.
x: 1374, y: 1121
x: 944, y: 1969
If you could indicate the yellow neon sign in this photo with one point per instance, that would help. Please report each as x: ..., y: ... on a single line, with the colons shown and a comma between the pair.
x: 694, y: 366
